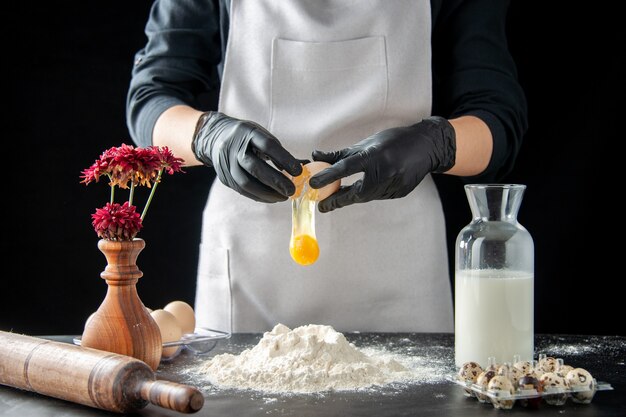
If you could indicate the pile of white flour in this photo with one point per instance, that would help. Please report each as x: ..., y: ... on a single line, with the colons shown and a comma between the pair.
x: 307, y: 359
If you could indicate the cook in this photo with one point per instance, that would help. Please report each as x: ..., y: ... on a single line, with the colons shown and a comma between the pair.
x: 388, y: 92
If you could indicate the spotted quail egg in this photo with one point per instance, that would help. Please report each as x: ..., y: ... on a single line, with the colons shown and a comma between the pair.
x: 563, y: 370
x: 483, y: 382
x: 502, y: 388
x: 553, y: 382
x: 582, y: 384
x: 511, y: 372
x: 469, y: 373
x: 526, y: 367
x: 530, y: 383
x: 547, y: 364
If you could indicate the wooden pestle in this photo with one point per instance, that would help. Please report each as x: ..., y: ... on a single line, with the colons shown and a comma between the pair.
x: 87, y: 376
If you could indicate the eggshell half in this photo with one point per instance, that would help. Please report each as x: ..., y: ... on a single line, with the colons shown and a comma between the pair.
x: 308, y: 170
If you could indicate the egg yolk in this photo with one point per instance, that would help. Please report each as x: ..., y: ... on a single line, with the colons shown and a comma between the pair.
x: 304, y: 249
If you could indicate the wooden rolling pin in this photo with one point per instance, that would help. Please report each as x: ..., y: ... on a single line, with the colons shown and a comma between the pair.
x: 86, y: 376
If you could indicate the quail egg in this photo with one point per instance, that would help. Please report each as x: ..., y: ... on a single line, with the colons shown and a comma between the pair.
x: 511, y: 372
x: 582, y: 384
x: 502, y: 389
x: 483, y: 382
x: 530, y: 383
x: 556, y: 384
x: 563, y: 370
x: 547, y: 364
x: 526, y: 367
x: 469, y: 374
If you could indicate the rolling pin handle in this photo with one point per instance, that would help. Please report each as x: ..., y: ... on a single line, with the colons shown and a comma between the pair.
x: 172, y: 396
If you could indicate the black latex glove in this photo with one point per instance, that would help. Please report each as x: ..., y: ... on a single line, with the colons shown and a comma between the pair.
x: 393, y: 161
x: 238, y: 150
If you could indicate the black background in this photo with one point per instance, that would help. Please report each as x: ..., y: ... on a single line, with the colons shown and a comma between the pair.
x: 69, y: 66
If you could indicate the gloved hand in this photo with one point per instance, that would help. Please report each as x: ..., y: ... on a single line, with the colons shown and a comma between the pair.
x: 238, y: 150
x: 394, y: 162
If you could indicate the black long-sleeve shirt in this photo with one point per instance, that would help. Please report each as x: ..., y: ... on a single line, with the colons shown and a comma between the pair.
x: 473, y: 72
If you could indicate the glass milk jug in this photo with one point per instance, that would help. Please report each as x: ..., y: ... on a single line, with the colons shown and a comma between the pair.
x: 494, y: 274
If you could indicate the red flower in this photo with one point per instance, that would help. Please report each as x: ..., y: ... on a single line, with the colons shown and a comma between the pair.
x: 101, y: 167
x: 139, y: 165
x: 117, y: 222
x: 148, y: 166
x: 90, y: 174
x: 169, y: 162
x: 124, y: 164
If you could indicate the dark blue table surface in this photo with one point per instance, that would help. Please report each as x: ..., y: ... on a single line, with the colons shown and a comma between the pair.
x: 603, y: 356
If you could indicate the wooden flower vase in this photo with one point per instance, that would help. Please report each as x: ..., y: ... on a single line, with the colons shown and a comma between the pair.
x: 122, y: 323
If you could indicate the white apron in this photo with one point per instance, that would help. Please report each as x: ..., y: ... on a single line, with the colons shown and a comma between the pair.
x: 324, y: 74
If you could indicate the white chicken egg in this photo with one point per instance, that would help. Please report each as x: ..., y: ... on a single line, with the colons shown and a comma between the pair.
x: 170, y: 330
x: 184, y: 314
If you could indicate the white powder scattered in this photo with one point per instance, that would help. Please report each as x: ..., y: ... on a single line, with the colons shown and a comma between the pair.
x: 571, y: 349
x: 311, y: 358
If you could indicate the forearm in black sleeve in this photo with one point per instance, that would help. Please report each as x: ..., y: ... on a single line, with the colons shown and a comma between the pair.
x: 474, y: 74
x: 177, y: 64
